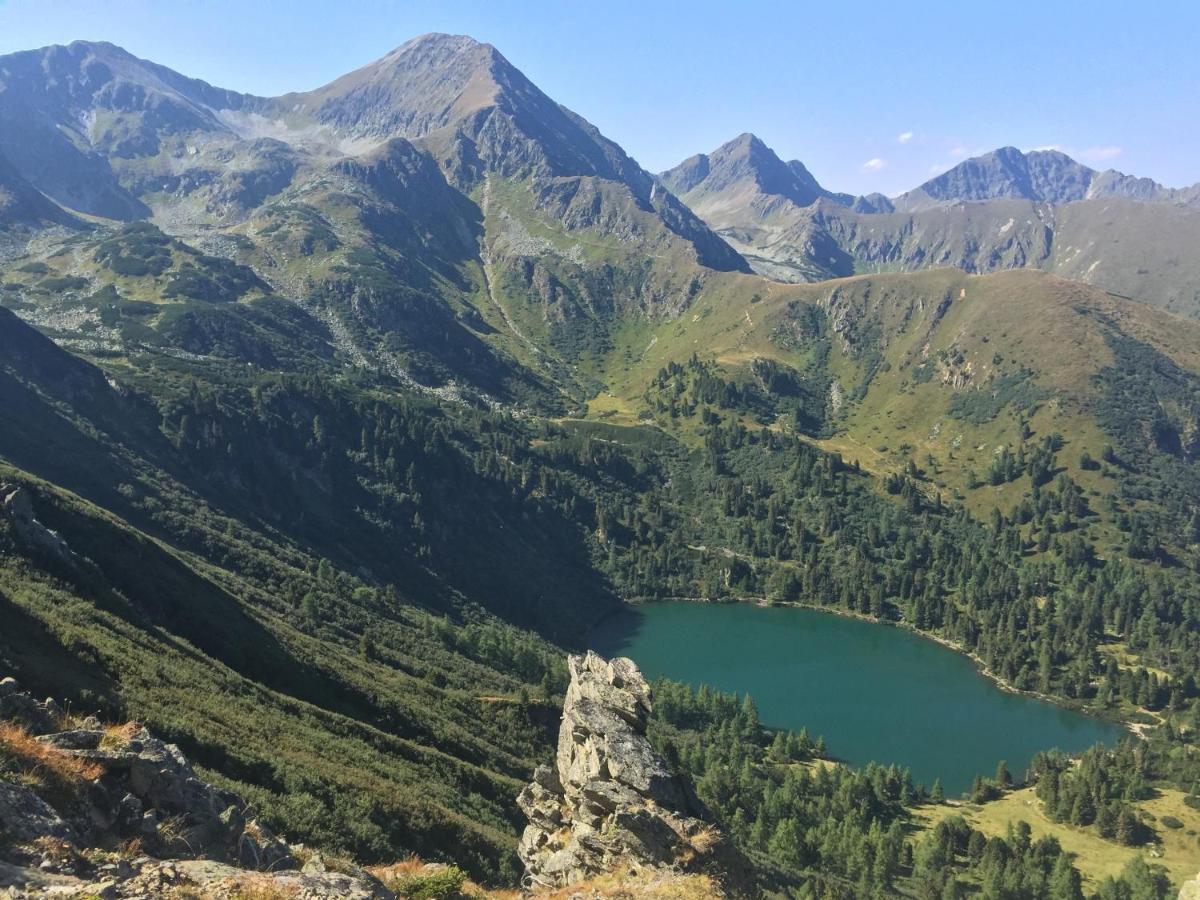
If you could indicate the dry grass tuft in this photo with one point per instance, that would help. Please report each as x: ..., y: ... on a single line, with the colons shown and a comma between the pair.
x: 263, y: 887
x: 62, y: 852
x: 58, y: 775
x: 118, y: 736
x: 644, y: 884
x: 705, y: 840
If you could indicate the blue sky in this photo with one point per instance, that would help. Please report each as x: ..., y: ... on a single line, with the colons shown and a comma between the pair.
x: 871, y: 96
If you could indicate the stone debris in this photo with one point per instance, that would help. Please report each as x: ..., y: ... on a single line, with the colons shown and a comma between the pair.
x: 143, y: 824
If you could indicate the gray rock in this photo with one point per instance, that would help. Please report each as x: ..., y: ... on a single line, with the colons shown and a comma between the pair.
x: 17, y: 504
x: 149, y: 824
x: 18, y: 706
x: 129, y: 812
x: 249, y: 854
x: 610, y: 799
x: 77, y: 739
x: 232, y: 821
x: 24, y: 816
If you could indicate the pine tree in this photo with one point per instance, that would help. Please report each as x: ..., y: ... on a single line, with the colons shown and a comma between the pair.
x: 786, y: 843
x: 310, y: 608
x: 1065, y: 882
x: 937, y: 793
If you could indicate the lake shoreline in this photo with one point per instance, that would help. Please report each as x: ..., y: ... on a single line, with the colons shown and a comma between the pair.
x: 1134, y: 728
x: 873, y: 694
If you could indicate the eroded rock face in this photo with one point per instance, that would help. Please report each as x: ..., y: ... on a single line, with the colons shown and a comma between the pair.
x: 142, y: 792
x: 145, y: 877
x: 1190, y: 889
x: 610, y: 800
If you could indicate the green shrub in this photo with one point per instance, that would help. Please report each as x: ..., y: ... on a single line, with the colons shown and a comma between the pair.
x: 442, y: 884
x: 984, y: 403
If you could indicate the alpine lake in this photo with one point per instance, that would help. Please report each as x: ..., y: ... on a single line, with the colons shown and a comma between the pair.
x: 876, y: 693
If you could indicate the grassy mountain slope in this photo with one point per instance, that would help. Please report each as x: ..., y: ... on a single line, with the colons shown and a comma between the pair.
x: 231, y: 584
x: 940, y: 371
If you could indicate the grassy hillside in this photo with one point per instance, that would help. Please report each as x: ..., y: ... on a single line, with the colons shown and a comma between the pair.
x: 939, y: 374
x: 303, y: 647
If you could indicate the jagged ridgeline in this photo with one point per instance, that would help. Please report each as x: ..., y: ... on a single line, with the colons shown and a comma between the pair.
x: 1002, y: 210
x: 329, y: 422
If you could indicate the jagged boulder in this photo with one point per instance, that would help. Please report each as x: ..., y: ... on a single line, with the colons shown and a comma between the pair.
x: 17, y: 504
x: 17, y: 706
x: 610, y: 799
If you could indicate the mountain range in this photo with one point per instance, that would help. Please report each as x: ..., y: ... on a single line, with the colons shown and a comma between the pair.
x: 352, y: 409
x: 1005, y: 209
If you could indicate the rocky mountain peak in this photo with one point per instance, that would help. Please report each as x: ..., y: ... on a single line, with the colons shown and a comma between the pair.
x: 610, y: 800
x: 744, y: 164
x: 67, y: 113
x: 423, y: 85
x: 1009, y: 173
x: 1044, y: 176
x: 464, y: 102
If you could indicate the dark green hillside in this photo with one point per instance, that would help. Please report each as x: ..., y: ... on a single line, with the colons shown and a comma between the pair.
x: 347, y: 704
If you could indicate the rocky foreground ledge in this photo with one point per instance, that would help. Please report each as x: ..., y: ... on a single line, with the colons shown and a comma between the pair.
x: 96, y: 812
x: 610, y: 802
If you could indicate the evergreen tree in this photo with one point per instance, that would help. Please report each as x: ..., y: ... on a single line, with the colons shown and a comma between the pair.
x: 937, y: 793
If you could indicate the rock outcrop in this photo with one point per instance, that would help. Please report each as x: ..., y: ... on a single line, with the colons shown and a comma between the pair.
x: 1190, y: 889
x: 610, y: 801
x: 126, y: 815
x: 17, y: 505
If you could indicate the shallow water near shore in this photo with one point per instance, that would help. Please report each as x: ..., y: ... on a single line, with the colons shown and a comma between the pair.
x: 874, y: 692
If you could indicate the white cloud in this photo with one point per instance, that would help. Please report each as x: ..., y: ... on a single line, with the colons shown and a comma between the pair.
x: 1042, y: 149
x: 875, y: 165
x: 1100, y: 154
x: 939, y: 168
x: 958, y: 151
x: 904, y: 137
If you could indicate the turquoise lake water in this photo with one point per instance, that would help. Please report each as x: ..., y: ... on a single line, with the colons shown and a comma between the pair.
x: 874, y: 692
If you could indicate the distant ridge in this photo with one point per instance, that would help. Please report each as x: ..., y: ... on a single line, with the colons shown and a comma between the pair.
x: 1049, y: 176
x: 1005, y: 209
